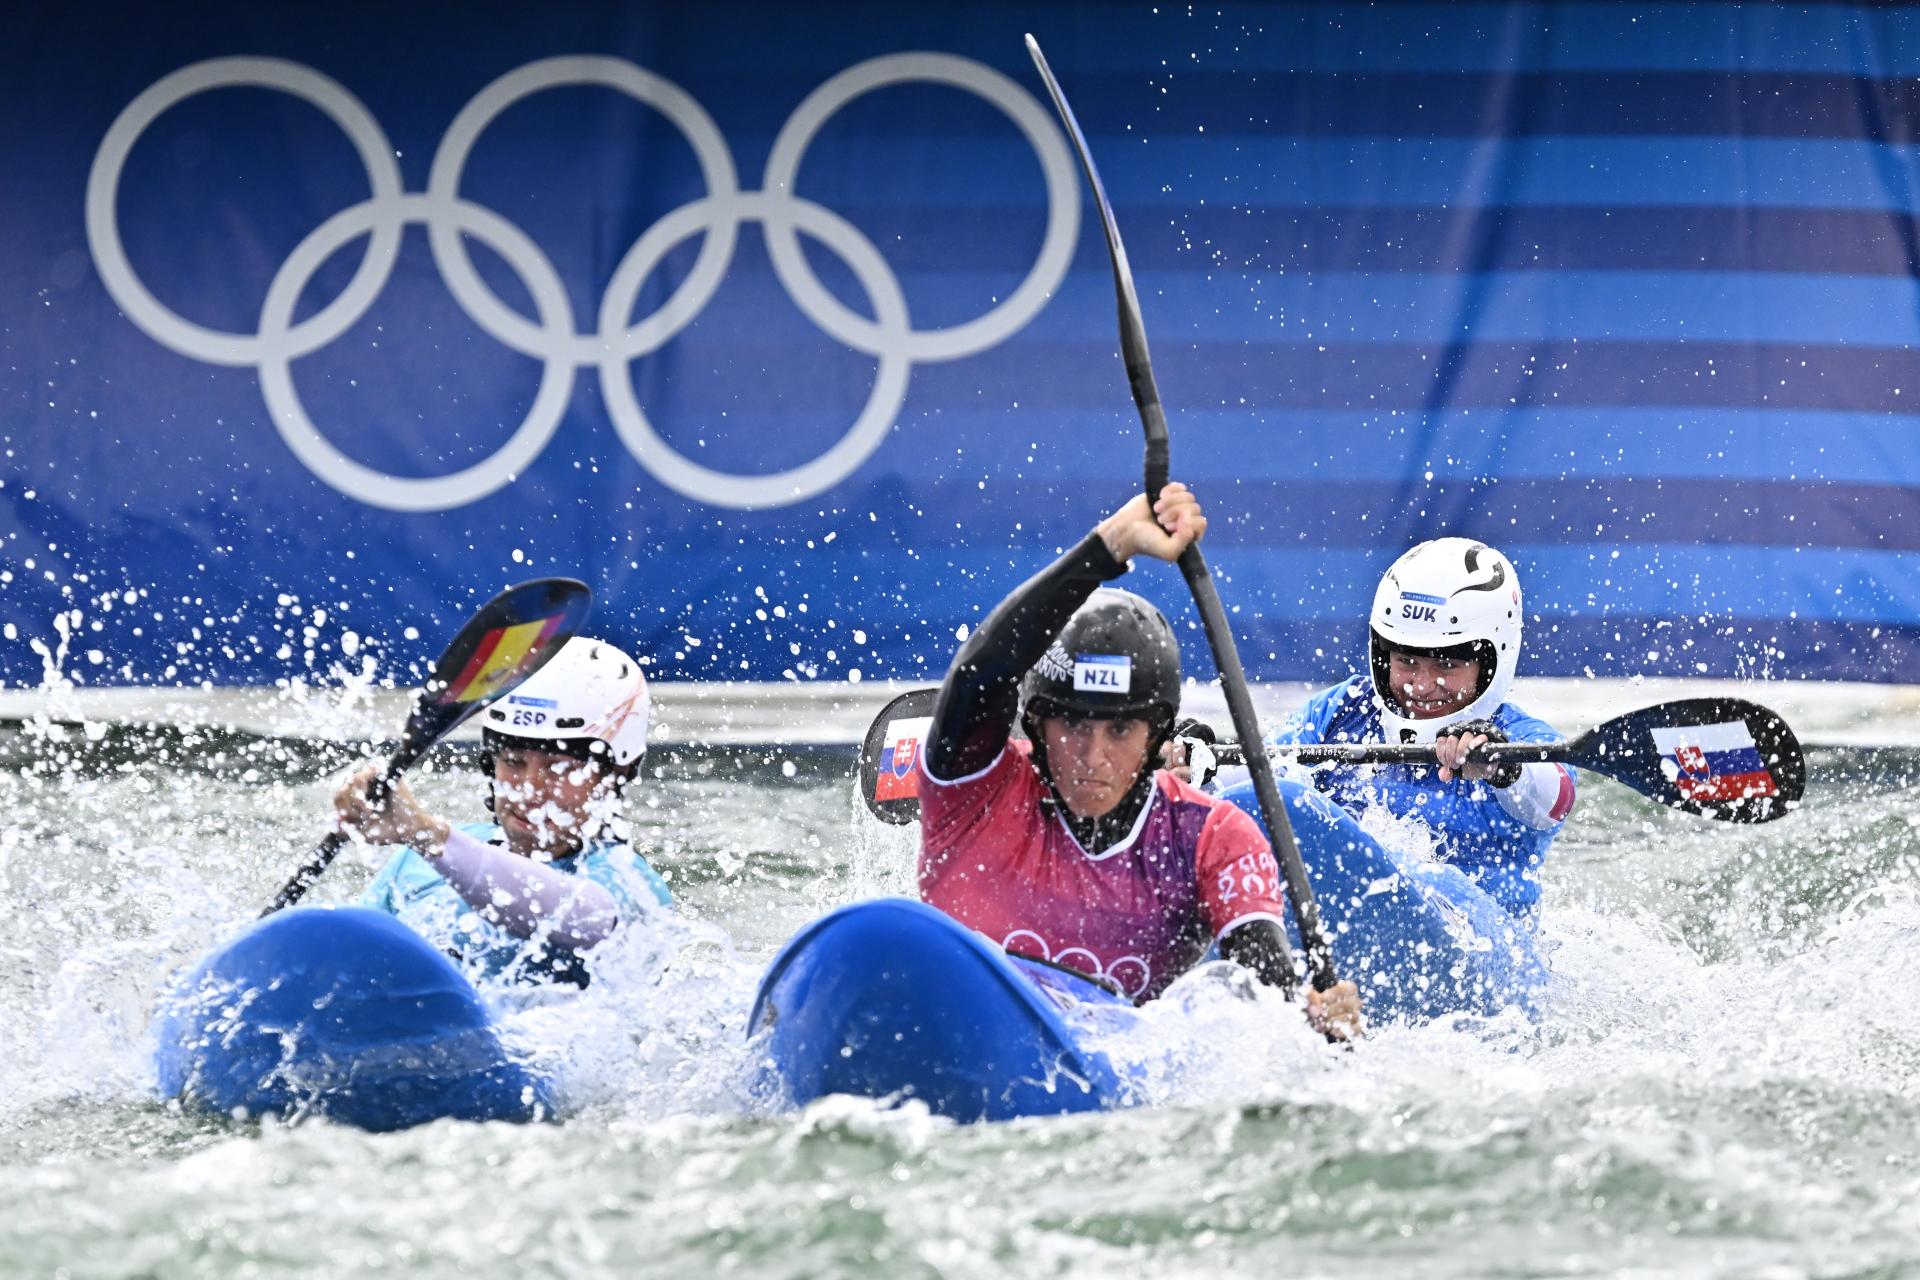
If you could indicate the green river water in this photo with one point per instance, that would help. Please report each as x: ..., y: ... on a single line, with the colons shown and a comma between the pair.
x: 1726, y: 1081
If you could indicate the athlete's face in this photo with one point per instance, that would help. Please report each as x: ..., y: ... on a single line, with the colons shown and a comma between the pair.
x: 1428, y: 686
x: 1094, y: 762
x: 543, y: 800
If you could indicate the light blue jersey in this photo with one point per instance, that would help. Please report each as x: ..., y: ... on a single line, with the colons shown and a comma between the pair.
x: 411, y: 889
x: 1473, y: 824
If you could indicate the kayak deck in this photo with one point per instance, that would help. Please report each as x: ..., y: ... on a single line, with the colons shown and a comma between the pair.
x: 892, y: 999
x: 344, y: 1013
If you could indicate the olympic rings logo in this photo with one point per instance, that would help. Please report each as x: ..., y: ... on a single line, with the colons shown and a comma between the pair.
x: 554, y: 338
x: 1131, y: 974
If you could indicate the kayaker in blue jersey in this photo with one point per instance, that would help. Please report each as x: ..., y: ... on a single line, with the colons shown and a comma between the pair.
x: 529, y: 895
x: 1443, y: 642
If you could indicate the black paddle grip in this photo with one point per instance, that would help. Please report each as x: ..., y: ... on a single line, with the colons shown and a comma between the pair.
x: 1156, y: 468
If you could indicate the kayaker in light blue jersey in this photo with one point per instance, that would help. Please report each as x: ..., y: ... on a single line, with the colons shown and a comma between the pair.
x: 1443, y: 641
x: 529, y: 896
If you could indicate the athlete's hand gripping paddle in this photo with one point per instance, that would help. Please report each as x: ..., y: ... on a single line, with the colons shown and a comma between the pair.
x: 509, y: 639
x: 1146, y: 397
x: 1723, y: 758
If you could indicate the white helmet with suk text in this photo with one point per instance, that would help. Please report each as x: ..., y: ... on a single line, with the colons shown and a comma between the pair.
x: 588, y: 700
x: 1452, y: 596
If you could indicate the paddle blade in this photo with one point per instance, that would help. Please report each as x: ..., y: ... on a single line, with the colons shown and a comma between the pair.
x: 509, y: 639
x: 890, y: 757
x: 1723, y: 758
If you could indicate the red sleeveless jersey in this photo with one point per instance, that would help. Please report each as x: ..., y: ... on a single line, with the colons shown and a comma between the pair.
x: 997, y: 858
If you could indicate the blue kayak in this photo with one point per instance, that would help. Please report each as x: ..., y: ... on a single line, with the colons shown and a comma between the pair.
x: 892, y: 999
x: 1418, y: 937
x: 344, y: 1013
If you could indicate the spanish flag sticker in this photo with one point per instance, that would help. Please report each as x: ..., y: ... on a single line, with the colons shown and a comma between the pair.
x: 503, y: 657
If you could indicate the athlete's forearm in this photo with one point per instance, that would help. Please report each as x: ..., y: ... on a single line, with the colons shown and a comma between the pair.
x: 525, y: 897
x: 1261, y: 946
x: 974, y: 714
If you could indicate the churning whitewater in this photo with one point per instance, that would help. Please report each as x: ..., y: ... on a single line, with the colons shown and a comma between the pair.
x: 1725, y: 1077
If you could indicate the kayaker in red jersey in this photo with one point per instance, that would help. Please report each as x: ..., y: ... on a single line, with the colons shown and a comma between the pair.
x: 1070, y: 847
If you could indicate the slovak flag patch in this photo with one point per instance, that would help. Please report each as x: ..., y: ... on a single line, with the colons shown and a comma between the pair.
x: 1714, y: 763
x: 897, y: 778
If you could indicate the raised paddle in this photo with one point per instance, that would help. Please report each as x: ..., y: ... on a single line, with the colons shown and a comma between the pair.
x: 1146, y: 398
x: 1723, y: 758
x: 511, y: 637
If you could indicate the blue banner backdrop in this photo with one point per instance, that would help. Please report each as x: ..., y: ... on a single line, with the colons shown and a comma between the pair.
x: 788, y: 327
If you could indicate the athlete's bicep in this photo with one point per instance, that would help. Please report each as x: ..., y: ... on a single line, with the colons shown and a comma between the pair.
x: 980, y: 697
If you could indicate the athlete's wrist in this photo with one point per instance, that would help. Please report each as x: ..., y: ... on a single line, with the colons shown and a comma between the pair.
x: 431, y: 839
x: 1105, y: 552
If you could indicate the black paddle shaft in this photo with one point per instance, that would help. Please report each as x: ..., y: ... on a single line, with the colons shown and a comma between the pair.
x: 1422, y: 753
x: 1153, y: 418
x: 1233, y: 680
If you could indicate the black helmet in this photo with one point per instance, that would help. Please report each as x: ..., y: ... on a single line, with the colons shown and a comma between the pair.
x: 1116, y: 659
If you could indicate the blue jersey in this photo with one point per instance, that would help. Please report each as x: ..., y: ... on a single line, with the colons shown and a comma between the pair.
x: 1475, y: 826
x: 412, y: 890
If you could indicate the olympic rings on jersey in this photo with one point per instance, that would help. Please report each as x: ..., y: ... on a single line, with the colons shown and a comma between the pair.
x: 554, y: 338
x: 1131, y: 974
